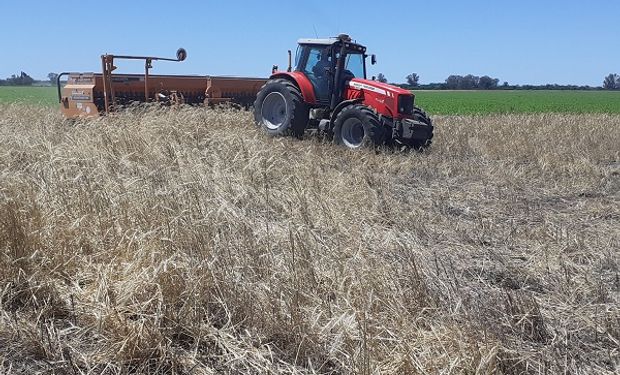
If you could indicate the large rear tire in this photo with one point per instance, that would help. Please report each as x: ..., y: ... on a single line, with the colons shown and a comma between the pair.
x: 357, y: 126
x: 280, y: 109
x: 421, y: 116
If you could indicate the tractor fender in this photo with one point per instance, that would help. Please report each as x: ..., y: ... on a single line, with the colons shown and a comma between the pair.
x: 339, y: 108
x: 301, y: 81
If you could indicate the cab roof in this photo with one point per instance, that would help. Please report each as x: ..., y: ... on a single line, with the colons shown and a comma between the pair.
x: 330, y: 41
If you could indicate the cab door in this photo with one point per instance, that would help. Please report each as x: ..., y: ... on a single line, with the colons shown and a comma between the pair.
x: 317, y: 64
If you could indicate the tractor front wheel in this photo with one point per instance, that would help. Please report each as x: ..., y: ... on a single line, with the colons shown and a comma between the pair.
x: 421, y: 116
x: 357, y: 126
x: 280, y: 109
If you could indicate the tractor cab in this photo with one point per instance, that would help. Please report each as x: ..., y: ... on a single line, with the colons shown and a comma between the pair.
x: 318, y: 60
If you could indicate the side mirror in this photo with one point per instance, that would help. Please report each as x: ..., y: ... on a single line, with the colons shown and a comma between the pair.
x: 181, y: 54
x: 373, y: 59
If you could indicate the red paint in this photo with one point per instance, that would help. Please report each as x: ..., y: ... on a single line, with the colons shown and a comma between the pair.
x: 380, y: 96
x: 304, y: 84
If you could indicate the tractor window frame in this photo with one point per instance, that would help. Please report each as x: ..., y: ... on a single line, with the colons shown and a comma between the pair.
x: 362, y: 58
x: 298, y: 56
x: 303, y: 55
x: 322, y: 85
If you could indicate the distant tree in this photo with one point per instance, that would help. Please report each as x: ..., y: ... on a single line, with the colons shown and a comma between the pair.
x: 487, y: 83
x: 456, y: 82
x: 453, y: 82
x: 25, y: 79
x: 413, y: 79
x: 612, y: 82
x: 505, y: 84
x: 22, y: 79
x: 381, y: 78
x: 469, y: 82
x: 52, y: 77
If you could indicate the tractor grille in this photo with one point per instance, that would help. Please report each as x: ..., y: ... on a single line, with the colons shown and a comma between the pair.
x: 405, y: 104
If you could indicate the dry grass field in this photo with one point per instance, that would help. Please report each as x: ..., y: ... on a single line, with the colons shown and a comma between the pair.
x: 187, y: 242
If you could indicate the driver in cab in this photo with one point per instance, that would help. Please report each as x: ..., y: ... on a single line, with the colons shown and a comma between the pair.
x: 319, y: 69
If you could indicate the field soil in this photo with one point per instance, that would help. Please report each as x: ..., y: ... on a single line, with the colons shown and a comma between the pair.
x: 186, y: 241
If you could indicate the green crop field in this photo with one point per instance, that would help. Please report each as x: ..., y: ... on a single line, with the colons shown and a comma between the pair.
x: 434, y: 102
x: 28, y: 94
x: 518, y: 101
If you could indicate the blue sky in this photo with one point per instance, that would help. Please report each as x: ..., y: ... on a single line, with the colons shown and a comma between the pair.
x: 520, y: 42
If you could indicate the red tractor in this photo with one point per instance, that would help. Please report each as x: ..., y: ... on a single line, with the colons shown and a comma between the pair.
x: 328, y: 90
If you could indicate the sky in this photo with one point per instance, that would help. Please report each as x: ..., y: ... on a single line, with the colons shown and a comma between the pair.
x: 522, y: 42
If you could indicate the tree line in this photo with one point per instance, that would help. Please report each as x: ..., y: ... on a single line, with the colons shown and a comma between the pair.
x: 453, y: 82
x: 473, y: 82
x: 23, y: 79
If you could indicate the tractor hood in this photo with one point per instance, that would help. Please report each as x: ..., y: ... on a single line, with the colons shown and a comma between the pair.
x: 387, y: 100
x: 378, y: 87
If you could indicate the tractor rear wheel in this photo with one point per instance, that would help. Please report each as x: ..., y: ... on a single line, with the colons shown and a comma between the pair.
x: 357, y: 126
x: 280, y: 109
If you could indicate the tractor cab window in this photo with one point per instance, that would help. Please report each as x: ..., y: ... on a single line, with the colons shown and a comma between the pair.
x: 318, y: 60
x: 316, y: 68
x: 355, y: 64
